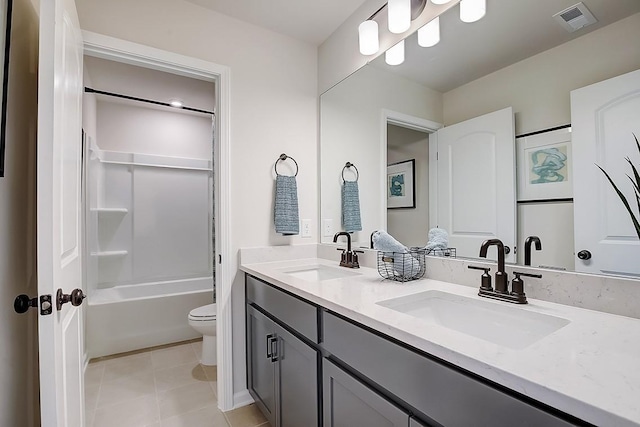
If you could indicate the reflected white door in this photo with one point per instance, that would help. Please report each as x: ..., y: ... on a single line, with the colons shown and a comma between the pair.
x: 604, y: 117
x: 58, y: 212
x: 477, y: 183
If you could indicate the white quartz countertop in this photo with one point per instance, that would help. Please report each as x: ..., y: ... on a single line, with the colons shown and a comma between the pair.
x: 589, y: 368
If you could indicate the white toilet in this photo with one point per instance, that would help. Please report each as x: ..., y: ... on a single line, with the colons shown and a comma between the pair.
x: 203, y: 320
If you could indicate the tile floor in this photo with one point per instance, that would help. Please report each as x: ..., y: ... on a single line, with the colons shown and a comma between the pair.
x: 159, y: 387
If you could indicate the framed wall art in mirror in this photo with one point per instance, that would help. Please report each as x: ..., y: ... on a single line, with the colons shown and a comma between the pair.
x: 401, y: 187
x: 545, y: 165
x: 5, y: 38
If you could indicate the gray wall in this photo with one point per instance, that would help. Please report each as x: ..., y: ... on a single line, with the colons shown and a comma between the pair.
x: 18, y: 333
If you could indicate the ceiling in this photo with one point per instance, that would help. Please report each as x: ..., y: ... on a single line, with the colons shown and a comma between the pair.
x: 311, y: 21
x: 511, y: 31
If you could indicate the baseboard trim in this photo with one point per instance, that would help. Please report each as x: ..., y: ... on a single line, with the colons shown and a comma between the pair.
x: 242, y: 398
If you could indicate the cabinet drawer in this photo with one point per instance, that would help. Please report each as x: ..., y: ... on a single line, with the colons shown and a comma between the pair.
x: 441, y: 393
x: 293, y: 312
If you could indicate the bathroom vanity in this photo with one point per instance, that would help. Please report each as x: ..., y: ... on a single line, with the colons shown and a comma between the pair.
x: 333, y: 346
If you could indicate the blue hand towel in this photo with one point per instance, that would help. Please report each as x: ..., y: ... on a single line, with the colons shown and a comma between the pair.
x: 438, y: 239
x: 404, y: 264
x: 286, y: 206
x: 351, y: 207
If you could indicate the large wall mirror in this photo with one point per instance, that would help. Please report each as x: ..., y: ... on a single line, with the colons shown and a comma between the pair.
x: 519, y: 64
x: 5, y: 38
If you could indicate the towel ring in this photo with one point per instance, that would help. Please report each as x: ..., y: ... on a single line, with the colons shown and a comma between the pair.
x: 350, y: 165
x: 284, y: 157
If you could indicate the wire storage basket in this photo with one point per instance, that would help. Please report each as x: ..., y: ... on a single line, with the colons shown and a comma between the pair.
x: 447, y: 252
x: 402, y: 266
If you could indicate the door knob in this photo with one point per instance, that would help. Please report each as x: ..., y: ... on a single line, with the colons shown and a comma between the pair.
x: 23, y: 303
x: 584, y: 255
x: 75, y: 298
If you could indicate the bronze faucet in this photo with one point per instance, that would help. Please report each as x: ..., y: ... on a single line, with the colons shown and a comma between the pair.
x: 501, y: 291
x: 502, y: 281
x: 349, y: 258
x: 527, y: 248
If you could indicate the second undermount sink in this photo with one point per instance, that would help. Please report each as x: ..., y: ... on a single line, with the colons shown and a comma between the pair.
x: 501, y: 324
x: 319, y: 272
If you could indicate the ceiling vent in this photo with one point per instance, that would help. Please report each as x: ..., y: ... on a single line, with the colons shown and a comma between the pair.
x: 575, y: 17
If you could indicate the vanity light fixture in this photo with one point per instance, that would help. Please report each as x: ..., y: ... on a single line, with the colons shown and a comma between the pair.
x: 176, y: 103
x: 399, y: 15
x: 395, y: 54
x: 472, y: 10
x: 429, y: 35
x: 368, y: 36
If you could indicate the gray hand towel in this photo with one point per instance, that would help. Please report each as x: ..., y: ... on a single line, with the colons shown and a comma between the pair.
x: 351, y: 207
x: 286, y: 206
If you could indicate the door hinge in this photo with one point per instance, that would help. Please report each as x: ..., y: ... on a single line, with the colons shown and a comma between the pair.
x: 219, y: 259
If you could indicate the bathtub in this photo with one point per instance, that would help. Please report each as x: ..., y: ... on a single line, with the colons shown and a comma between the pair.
x: 132, y: 317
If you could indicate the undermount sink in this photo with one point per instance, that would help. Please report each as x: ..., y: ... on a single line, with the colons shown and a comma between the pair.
x: 318, y: 273
x: 497, y: 323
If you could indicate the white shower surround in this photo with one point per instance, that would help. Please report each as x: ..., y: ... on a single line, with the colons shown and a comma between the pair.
x: 149, y: 249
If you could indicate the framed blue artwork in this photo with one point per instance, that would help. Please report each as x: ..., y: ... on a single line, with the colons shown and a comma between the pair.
x: 401, y: 189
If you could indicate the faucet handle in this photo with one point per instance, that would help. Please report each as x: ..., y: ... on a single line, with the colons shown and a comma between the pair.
x: 357, y: 251
x: 485, y: 283
x: 518, y: 274
x: 517, y: 285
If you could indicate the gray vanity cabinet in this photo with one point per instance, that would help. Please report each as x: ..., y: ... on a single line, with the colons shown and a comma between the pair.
x: 347, y: 402
x: 282, y: 369
x: 415, y: 423
x: 261, y: 372
x: 297, y: 372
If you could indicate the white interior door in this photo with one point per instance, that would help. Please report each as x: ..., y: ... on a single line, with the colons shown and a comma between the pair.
x: 477, y: 184
x: 58, y: 212
x: 604, y: 117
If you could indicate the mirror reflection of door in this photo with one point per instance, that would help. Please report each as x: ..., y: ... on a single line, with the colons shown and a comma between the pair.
x: 605, y: 116
x: 476, y: 183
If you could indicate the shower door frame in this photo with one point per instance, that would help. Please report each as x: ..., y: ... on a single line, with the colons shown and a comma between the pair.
x: 113, y: 49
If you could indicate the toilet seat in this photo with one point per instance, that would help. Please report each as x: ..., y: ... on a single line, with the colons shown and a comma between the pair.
x: 206, y: 313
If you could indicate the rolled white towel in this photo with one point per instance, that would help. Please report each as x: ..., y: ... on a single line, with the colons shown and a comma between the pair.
x: 404, y: 264
x: 438, y: 239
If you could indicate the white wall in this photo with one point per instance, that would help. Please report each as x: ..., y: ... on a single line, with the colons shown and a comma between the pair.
x: 139, y: 128
x: 18, y: 333
x: 351, y: 130
x: 410, y: 226
x: 273, y: 110
x: 538, y: 87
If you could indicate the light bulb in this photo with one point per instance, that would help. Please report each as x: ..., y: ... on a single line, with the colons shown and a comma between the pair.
x: 440, y: 1
x: 395, y: 54
x: 429, y: 35
x: 399, y: 15
x: 472, y: 10
x: 368, y: 35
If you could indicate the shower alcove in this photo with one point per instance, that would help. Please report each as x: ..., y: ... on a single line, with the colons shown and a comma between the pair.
x: 148, y: 204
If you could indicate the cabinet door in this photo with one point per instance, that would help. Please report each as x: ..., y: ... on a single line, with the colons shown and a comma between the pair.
x: 415, y: 423
x: 348, y: 402
x: 297, y: 382
x: 261, y: 369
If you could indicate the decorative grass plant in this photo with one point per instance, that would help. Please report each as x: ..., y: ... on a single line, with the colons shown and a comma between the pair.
x: 635, y: 181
